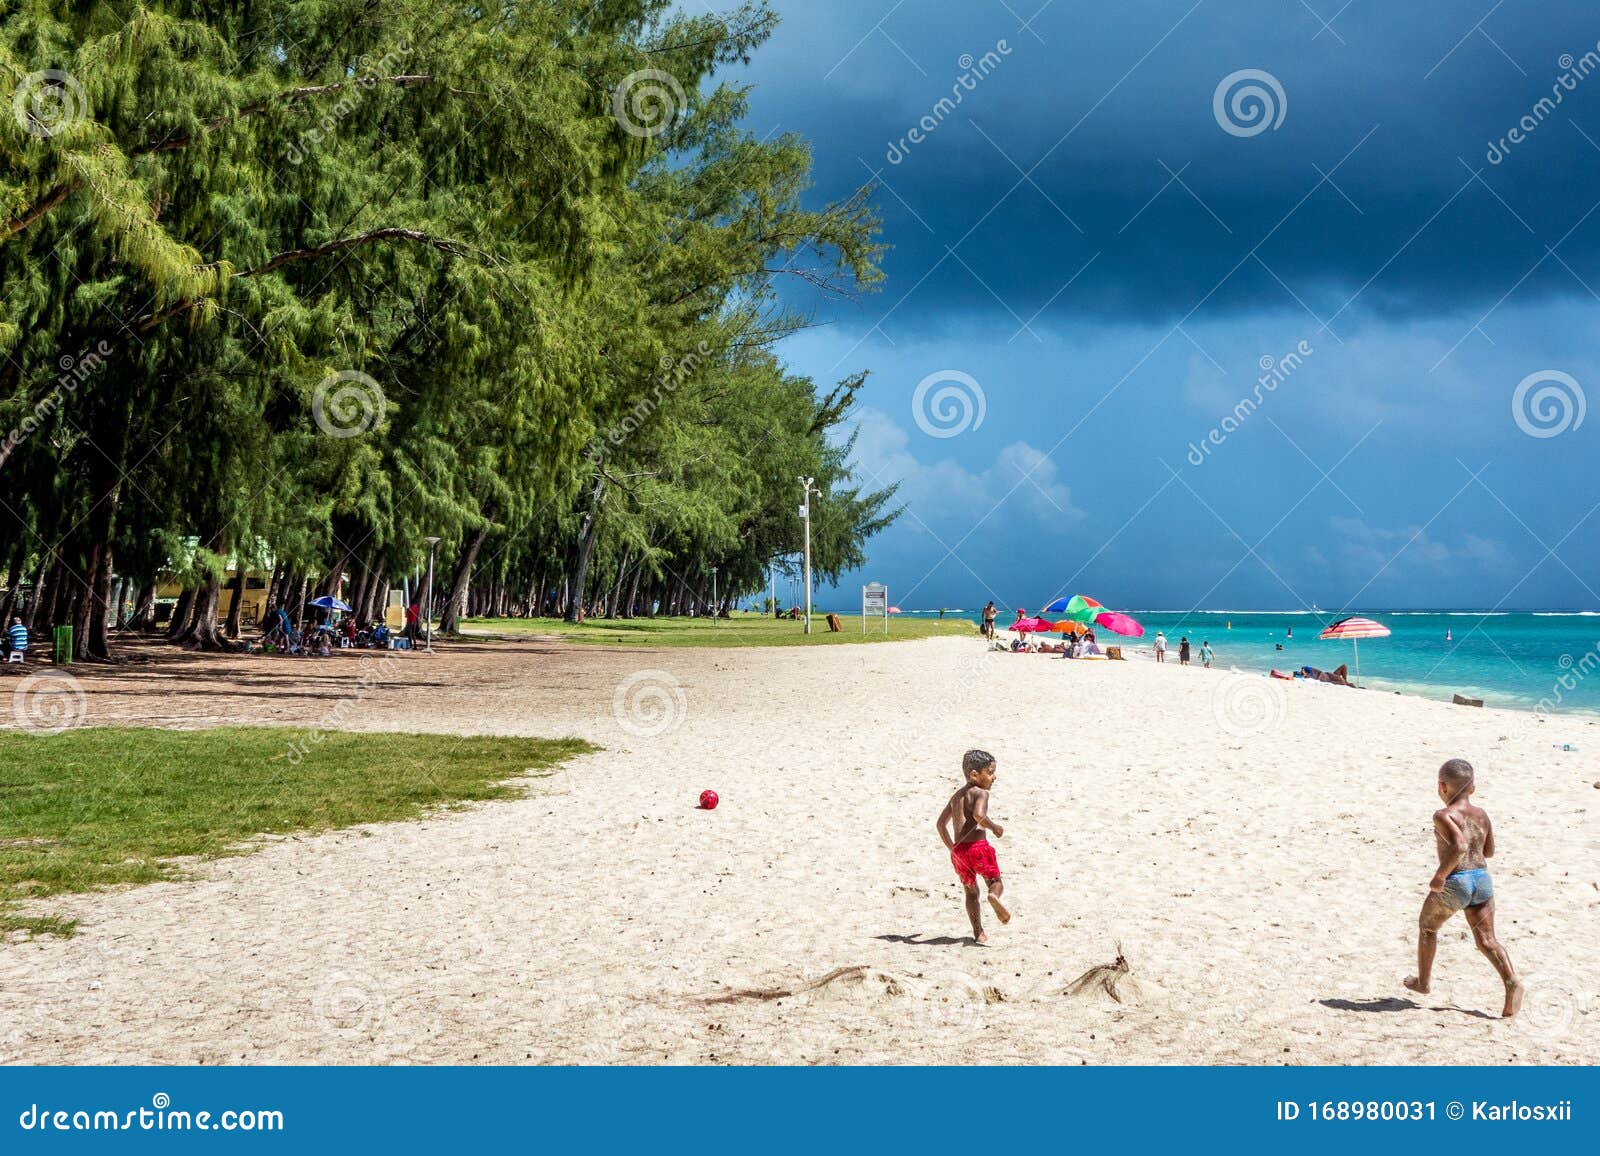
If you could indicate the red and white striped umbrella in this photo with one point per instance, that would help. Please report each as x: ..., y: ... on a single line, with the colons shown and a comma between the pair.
x: 1353, y: 629
x: 1356, y: 628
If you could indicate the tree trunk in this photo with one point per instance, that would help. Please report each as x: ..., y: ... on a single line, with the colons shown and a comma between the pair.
x: 456, y: 604
x: 181, y: 614
x: 614, y: 602
x: 202, y: 629
x: 588, y: 531
x: 143, y: 608
x: 101, y: 611
x: 235, y: 611
x: 630, y: 607
x: 83, y: 608
x: 358, y: 593
x: 13, y: 580
x: 377, y: 596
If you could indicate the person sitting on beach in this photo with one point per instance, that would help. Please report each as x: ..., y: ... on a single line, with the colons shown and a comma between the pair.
x: 967, y: 814
x: 1464, y: 838
x: 16, y: 637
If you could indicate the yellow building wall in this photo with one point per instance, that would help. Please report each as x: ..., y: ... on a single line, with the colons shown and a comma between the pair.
x: 254, y: 603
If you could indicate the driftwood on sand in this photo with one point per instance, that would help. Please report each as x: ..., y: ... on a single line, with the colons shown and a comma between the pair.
x: 765, y: 993
x: 1112, y: 979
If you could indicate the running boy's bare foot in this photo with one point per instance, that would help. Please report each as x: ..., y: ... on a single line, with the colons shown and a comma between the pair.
x: 1000, y: 911
x: 1514, y: 995
x: 980, y: 938
x: 1415, y: 985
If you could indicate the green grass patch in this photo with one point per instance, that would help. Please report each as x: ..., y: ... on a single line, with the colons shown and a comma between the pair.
x: 740, y: 630
x: 103, y: 806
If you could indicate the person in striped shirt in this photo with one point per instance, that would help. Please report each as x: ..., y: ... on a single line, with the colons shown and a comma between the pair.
x: 16, y: 637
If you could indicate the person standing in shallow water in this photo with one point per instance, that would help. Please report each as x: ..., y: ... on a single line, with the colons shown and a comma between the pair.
x: 1464, y: 837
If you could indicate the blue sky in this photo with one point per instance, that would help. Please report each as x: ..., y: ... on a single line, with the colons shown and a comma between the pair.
x: 1102, y: 247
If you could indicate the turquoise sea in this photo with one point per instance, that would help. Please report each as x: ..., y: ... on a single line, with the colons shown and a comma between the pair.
x: 1547, y: 660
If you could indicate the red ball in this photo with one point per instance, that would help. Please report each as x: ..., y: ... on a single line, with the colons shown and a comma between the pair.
x: 708, y: 800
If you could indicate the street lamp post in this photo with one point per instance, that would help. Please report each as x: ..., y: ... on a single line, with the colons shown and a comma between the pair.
x: 805, y: 513
x: 427, y: 605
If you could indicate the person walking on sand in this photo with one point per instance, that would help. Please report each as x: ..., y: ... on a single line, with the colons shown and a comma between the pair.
x: 1205, y: 655
x: 967, y: 815
x: 1183, y: 651
x: 989, y: 613
x: 1465, y: 841
x: 1161, y: 647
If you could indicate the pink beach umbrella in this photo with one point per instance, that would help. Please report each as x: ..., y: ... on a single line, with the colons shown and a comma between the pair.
x: 1118, y: 623
x: 1033, y: 626
x: 1353, y: 629
x: 894, y: 610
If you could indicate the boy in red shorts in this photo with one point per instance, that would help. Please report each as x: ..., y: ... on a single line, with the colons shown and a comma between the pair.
x: 967, y: 814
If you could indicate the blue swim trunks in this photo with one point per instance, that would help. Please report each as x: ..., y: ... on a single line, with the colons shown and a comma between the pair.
x: 1467, y: 888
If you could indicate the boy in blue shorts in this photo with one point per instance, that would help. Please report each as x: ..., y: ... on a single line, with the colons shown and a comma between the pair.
x: 1465, y: 840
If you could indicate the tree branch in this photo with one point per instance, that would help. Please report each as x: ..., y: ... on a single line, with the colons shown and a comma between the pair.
x: 444, y: 245
x: 290, y: 96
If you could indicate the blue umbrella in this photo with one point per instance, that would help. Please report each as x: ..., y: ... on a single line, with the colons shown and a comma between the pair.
x: 328, y: 602
x: 1059, y: 606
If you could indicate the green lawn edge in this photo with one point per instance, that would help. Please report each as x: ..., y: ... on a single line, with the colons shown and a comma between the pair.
x: 741, y: 630
x: 98, y: 807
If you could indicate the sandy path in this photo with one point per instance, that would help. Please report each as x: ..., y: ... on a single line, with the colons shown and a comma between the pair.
x: 1263, y: 883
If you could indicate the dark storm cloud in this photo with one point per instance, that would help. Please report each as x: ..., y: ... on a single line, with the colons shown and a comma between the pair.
x: 1091, y: 136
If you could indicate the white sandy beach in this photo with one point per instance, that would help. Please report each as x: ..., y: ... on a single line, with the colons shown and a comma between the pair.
x: 1257, y: 849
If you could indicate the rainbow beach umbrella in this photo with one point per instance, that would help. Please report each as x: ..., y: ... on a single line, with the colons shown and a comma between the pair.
x: 1355, y: 629
x: 1079, y: 608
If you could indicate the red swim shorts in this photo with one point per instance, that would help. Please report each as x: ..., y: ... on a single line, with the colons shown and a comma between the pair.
x: 973, y: 859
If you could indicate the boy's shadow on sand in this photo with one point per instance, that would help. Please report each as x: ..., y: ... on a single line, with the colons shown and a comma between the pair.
x: 1394, y: 1003
x: 936, y: 941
